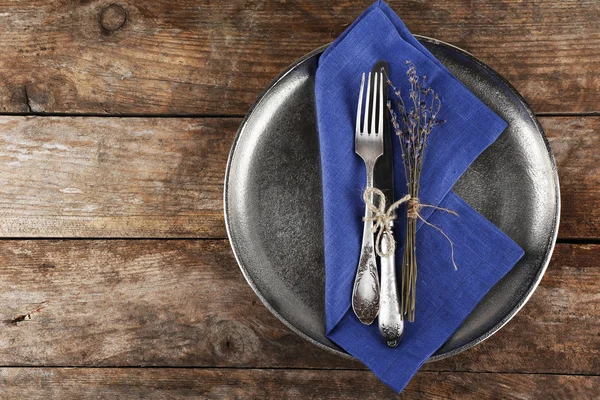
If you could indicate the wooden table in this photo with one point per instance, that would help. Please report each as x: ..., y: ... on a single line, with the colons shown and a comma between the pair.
x: 117, y: 119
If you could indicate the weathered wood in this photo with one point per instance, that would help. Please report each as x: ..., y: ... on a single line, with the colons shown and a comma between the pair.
x: 192, y: 57
x: 149, y: 177
x: 152, y: 383
x: 136, y: 303
x: 106, y: 177
x: 185, y: 303
x: 576, y: 146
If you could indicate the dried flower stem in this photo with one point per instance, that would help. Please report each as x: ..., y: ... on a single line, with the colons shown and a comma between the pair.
x: 413, y: 126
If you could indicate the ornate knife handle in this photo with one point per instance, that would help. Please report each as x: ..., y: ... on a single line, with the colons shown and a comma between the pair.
x: 391, y: 324
x: 365, y: 296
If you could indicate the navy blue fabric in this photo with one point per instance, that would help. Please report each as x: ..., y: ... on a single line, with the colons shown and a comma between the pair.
x: 484, y: 254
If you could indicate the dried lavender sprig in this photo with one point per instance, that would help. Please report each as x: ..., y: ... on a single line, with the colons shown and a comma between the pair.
x: 413, y: 129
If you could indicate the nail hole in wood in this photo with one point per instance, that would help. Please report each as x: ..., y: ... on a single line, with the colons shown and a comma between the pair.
x: 113, y: 18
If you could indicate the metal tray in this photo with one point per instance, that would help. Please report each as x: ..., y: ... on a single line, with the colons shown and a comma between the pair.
x: 273, y: 199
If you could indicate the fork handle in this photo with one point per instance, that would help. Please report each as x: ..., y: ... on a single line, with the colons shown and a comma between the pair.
x: 391, y: 324
x: 365, y: 295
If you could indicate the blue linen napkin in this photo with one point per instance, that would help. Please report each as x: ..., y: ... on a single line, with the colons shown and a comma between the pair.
x: 484, y: 254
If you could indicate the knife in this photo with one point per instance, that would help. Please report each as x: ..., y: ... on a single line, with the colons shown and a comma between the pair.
x: 391, y: 324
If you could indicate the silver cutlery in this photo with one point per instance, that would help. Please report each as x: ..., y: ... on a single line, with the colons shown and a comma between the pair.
x: 368, y: 144
x: 391, y: 323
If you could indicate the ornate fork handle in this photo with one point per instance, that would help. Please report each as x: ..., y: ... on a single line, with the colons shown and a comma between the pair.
x: 365, y: 296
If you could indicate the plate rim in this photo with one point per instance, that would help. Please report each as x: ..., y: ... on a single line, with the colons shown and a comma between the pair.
x: 549, y: 246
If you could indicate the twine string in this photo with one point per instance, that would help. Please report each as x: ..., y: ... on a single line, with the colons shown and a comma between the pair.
x: 383, y: 219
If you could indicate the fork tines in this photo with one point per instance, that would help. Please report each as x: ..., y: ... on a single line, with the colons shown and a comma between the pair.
x: 375, y: 110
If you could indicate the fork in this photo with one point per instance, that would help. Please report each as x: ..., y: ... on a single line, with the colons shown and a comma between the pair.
x: 368, y: 144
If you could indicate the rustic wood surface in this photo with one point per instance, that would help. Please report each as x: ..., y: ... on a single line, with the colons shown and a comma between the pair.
x: 185, y: 303
x: 163, y: 177
x: 206, y: 57
x: 113, y: 177
x: 176, y: 383
x: 116, y: 120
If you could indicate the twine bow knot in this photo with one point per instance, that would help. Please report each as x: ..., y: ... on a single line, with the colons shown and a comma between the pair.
x: 383, y: 219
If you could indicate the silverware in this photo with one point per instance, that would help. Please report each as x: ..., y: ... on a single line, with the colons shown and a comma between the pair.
x: 368, y: 144
x: 391, y: 324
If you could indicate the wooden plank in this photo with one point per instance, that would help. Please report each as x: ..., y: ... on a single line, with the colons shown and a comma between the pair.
x: 152, y: 383
x: 163, y: 177
x: 106, y: 177
x: 185, y: 303
x: 192, y: 57
x: 136, y: 303
x: 576, y: 146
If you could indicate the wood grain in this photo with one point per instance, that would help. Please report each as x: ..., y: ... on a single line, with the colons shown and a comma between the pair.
x: 78, y: 318
x: 152, y: 383
x: 136, y: 303
x: 185, y: 303
x: 189, y: 57
x: 106, y: 177
x: 575, y: 142
x: 163, y: 177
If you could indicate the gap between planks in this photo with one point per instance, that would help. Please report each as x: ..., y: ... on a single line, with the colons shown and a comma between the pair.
x: 99, y: 115
x: 316, y: 369
x: 224, y: 116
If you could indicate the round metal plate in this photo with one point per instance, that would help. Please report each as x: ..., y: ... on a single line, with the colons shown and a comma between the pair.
x: 273, y: 199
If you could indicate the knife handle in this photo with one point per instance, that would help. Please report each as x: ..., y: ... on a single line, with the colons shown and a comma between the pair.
x: 391, y: 324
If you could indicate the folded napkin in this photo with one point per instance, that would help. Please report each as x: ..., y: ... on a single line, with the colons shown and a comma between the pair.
x: 484, y: 254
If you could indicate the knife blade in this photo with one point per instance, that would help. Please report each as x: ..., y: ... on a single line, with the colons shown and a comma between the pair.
x: 384, y: 169
x: 391, y: 323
